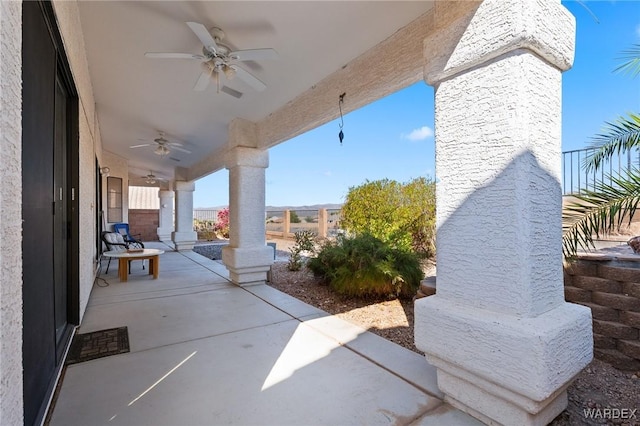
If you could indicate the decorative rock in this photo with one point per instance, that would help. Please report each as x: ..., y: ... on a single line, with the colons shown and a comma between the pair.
x: 211, y: 251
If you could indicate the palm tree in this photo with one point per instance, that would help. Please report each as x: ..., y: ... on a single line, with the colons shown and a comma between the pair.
x: 608, y: 205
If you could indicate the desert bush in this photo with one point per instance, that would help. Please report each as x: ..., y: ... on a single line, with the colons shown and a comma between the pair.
x: 293, y: 217
x: 401, y: 214
x: 305, y: 242
x: 204, y: 229
x: 363, y: 265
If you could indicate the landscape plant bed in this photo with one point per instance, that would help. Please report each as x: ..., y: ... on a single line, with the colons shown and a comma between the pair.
x: 391, y: 319
x: 598, y: 387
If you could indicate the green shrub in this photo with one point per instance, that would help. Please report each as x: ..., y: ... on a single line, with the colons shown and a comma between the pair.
x: 305, y: 241
x: 401, y: 214
x: 366, y: 266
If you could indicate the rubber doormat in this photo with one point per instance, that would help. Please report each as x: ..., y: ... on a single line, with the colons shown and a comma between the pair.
x: 98, y: 344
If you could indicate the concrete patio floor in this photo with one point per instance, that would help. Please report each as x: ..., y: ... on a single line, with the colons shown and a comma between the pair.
x: 206, y: 352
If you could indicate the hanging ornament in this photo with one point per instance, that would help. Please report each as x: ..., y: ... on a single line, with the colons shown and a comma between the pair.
x: 340, y: 102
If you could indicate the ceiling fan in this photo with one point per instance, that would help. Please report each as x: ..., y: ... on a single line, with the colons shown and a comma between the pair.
x: 152, y: 179
x: 163, y: 146
x: 219, y: 59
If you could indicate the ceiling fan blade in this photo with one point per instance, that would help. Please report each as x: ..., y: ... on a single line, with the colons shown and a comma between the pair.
x: 174, y: 144
x: 170, y: 55
x: 177, y: 148
x: 203, y: 81
x: 140, y: 146
x: 229, y: 91
x: 254, y: 54
x: 248, y: 78
x: 203, y: 34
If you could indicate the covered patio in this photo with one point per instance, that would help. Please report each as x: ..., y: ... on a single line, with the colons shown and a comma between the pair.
x: 87, y: 112
x: 205, y: 351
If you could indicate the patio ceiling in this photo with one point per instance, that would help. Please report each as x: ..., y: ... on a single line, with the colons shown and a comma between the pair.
x: 136, y: 97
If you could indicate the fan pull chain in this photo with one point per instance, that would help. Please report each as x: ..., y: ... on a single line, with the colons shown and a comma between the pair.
x: 340, y: 102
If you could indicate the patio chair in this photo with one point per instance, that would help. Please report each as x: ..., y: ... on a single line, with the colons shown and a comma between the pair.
x: 115, y: 242
x: 123, y: 229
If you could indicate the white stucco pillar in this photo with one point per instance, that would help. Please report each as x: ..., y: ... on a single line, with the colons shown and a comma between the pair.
x: 503, y: 340
x: 247, y: 257
x: 184, y: 237
x: 165, y: 215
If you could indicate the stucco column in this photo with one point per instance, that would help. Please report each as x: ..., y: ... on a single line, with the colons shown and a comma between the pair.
x: 247, y: 257
x: 503, y: 340
x: 184, y: 237
x: 165, y: 215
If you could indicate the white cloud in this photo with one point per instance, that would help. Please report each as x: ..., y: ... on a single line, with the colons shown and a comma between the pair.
x: 327, y: 173
x: 419, y: 134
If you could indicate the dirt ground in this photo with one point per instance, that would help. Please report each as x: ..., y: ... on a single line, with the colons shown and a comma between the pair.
x: 599, y: 386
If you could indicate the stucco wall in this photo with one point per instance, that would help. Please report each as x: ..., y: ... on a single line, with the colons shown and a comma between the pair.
x: 86, y: 204
x: 11, y: 407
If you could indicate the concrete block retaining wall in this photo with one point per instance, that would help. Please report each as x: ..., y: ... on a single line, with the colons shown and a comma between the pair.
x: 611, y: 288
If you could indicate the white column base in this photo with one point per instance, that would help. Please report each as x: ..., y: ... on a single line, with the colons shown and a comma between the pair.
x: 501, y: 368
x: 164, y: 234
x: 184, y: 240
x: 498, y: 407
x: 248, y: 266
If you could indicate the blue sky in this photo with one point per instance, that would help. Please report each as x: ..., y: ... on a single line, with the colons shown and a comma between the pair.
x: 393, y: 137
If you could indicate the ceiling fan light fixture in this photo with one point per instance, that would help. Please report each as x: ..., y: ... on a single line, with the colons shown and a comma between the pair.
x: 208, y: 67
x: 161, y: 150
x: 229, y: 72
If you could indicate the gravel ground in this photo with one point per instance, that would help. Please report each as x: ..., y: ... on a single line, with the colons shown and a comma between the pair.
x: 599, y: 386
x: 391, y: 319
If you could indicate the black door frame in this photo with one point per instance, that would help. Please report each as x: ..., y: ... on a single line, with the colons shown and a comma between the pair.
x: 36, y: 403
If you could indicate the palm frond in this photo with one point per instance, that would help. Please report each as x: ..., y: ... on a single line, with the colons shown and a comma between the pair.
x: 632, y: 61
x: 617, y: 137
x: 600, y: 211
x: 593, y: 15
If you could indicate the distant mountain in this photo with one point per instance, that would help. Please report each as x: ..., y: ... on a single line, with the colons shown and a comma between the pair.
x: 280, y: 208
x: 312, y: 207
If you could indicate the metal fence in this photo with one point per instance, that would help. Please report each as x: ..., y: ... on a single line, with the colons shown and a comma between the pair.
x: 205, y: 214
x: 576, y: 178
